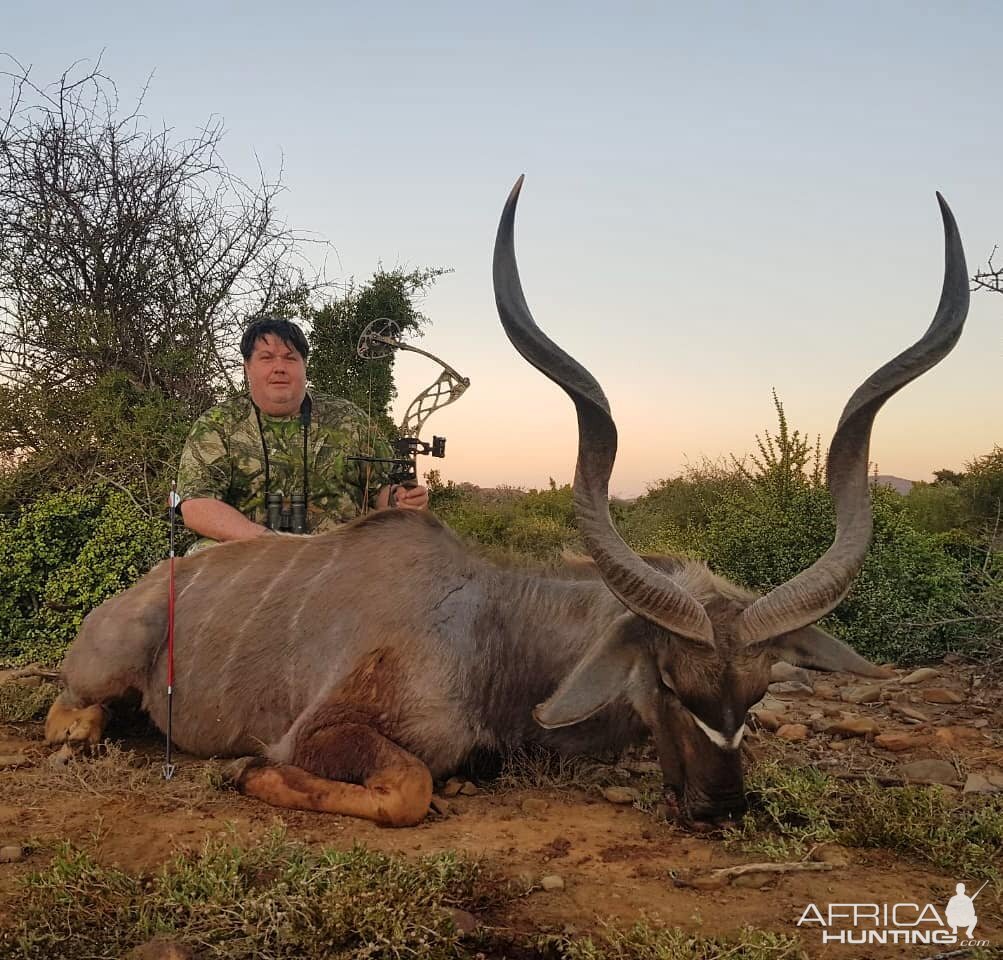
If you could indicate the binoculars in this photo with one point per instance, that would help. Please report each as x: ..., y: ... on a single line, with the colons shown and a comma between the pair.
x: 283, y: 519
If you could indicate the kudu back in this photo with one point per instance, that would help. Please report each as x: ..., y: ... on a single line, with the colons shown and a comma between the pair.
x: 348, y: 670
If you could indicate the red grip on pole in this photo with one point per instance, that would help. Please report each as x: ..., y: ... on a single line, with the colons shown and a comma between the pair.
x: 170, y: 625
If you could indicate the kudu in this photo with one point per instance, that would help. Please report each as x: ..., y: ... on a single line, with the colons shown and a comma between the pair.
x: 348, y: 670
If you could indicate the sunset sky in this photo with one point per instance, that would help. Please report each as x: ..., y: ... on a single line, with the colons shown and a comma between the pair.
x: 720, y: 198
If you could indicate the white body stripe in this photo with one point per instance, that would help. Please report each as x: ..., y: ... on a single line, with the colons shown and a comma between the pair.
x: 718, y: 739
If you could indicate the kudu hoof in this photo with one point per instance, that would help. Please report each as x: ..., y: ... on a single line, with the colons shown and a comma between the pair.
x: 234, y: 773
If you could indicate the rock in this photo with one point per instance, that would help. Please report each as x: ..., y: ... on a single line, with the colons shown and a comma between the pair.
x: 994, y: 775
x: 791, y: 690
x: 161, y: 949
x: 753, y: 880
x: 918, y: 676
x: 620, y: 794
x: 909, y: 711
x: 767, y: 719
x: 957, y: 736
x: 13, y: 761
x: 826, y: 691
x: 942, y: 695
x: 981, y: 723
x: 782, y: 671
x: 897, y: 742
x: 854, y: 727
x: 868, y: 693
x: 772, y: 704
x: 451, y: 787
x: 468, y: 789
x: 440, y: 806
x: 840, y: 746
x: 976, y: 783
x: 793, y: 732
x: 831, y: 853
x: 930, y: 771
x: 12, y: 853
x: 955, y: 658
x: 534, y: 806
x: 552, y: 882
x: 465, y: 923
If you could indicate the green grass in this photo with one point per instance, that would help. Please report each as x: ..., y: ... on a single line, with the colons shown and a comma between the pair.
x: 796, y: 808
x: 275, y: 900
x: 645, y: 942
x: 280, y: 899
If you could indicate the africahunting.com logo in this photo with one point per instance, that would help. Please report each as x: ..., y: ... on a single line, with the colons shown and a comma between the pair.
x: 897, y: 923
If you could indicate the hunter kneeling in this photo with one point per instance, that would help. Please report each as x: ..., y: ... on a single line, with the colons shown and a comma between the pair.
x: 281, y: 439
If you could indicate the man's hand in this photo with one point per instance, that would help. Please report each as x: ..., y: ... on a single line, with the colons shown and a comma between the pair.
x: 410, y: 498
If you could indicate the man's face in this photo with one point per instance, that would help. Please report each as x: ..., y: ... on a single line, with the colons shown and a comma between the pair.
x: 276, y: 376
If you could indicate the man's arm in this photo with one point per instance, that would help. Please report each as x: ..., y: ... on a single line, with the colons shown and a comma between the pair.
x: 218, y: 521
x: 203, y: 481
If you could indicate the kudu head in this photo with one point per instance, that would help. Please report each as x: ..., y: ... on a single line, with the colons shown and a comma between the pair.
x: 692, y: 652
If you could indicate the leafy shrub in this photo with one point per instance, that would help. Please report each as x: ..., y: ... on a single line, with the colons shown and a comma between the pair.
x: 903, y: 606
x: 936, y: 507
x: 64, y: 555
x: 536, y: 525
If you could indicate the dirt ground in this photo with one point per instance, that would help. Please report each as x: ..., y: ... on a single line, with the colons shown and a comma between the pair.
x: 616, y: 861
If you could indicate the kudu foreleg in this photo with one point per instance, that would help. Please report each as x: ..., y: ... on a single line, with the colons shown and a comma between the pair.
x: 348, y: 769
x: 80, y: 713
x: 108, y: 660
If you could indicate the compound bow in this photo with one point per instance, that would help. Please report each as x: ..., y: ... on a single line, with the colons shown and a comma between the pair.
x: 378, y: 341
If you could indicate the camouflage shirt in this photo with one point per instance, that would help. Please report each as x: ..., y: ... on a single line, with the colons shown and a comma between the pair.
x: 223, y: 459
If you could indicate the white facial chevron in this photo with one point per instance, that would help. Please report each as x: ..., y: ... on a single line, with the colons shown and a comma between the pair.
x: 718, y: 739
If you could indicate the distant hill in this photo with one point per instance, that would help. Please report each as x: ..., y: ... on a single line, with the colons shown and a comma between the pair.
x: 898, y: 484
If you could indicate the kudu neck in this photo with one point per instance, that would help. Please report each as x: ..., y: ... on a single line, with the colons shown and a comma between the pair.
x: 538, y: 630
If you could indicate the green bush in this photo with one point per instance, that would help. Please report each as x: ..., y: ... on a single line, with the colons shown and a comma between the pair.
x: 936, y: 507
x: 66, y: 553
x: 536, y: 525
x: 671, y: 515
x: 904, y: 605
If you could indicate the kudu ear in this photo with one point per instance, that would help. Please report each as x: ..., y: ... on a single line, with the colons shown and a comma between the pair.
x: 597, y: 679
x: 812, y: 647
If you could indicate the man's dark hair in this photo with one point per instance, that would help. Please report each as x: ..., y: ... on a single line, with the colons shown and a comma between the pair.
x: 287, y: 331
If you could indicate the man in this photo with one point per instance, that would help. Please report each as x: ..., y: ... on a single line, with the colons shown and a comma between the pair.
x: 279, y: 438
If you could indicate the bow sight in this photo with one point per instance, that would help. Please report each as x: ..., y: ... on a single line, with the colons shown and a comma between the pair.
x: 378, y: 341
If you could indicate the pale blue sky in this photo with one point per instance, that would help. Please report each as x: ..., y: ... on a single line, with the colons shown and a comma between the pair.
x: 720, y: 198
